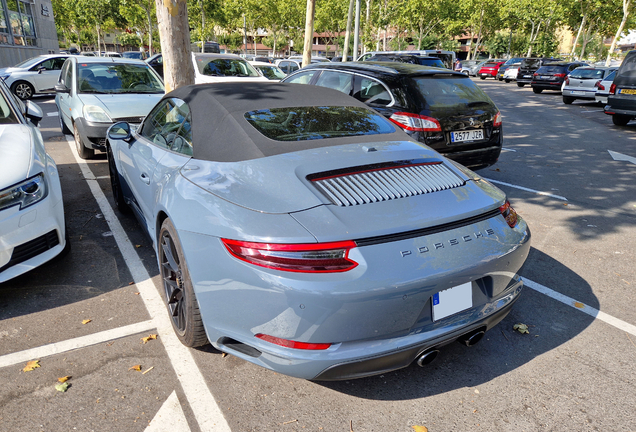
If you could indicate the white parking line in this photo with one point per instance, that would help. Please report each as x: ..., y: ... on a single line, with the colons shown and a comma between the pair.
x: 527, y: 189
x: 619, y: 324
x: 52, y: 114
x: 207, y: 413
x: 71, y: 344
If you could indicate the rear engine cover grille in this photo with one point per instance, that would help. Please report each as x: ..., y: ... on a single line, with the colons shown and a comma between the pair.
x: 383, y: 184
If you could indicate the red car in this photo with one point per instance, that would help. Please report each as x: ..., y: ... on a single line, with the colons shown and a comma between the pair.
x: 490, y: 69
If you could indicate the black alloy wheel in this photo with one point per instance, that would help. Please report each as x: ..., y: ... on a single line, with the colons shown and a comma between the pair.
x: 179, y: 294
x: 537, y: 90
x: 620, y: 120
x: 118, y: 194
x: 520, y: 84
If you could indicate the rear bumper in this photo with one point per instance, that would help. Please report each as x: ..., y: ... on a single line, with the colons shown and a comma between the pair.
x: 611, y: 111
x: 547, y: 85
x: 586, y: 94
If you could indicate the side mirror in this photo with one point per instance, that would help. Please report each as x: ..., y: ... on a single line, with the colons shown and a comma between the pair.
x: 61, y: 88
x: 33, y: 112
x: 119, y: 131
x: 41, y: 69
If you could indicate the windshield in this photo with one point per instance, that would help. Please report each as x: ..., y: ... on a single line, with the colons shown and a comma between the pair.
x: 309, y: 123
x: 271, y: 72
x: 228, y: 67
x: 587, y: 73
x: 28, y: 63
x: 450, y: 91
x: 111, y: 78
x: 447, y: 59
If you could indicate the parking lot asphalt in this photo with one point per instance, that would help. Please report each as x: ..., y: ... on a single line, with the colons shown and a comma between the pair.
x: 573, y: 371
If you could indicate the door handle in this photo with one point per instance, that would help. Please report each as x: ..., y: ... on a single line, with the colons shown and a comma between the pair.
x: 145, y: 178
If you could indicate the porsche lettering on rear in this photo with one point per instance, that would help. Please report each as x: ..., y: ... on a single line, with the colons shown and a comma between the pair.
x: 450, y: 242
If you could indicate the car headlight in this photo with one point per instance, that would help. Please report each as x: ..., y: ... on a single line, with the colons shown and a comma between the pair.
x: 95, y: 114
x: 25, y: 193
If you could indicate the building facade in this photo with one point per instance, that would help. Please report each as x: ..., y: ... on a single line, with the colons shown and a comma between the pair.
x: 27, y: 29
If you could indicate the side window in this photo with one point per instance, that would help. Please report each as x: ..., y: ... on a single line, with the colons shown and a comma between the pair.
x: 342, y: 82
x: 293, y: 67
x: 163, y: 123
x: 47, y: 65
x: 572, y: 67
x: 302, y: 78
x: 372, y: 92
x: 183, y: 141
x: 58, y: 63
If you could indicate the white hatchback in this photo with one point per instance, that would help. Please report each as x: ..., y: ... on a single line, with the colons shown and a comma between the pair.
x: 212, y: 68
x: 31, y: 210
x: 36, y: 75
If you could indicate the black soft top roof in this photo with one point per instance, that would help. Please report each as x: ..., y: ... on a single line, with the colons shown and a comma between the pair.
x: 221, y: 133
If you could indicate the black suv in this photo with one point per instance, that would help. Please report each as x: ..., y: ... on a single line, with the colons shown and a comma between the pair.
x: 529, y: 66
x: 621, y: 102
x: 552, y: 75
x: 440, y: 108
x: 406, y: 58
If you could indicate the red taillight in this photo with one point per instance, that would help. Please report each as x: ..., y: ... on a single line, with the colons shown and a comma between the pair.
x: 509, y: 214
x: 598, y: 85
x: 567, y: 81
x: 560, y: 75
x: 497, y: 120
x: 304, y: 258
x: 613, y: 89
x: 535, y: 74
x: 415, y: 122
x: 293, y: 344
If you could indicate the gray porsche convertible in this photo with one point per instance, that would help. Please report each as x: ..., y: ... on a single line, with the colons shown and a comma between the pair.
x: 300, y: 230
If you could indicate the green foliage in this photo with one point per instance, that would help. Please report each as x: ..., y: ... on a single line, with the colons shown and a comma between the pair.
x: 129, y: 39
x: 546, y: 45
x: 497, y: 45
x: 232, y: 41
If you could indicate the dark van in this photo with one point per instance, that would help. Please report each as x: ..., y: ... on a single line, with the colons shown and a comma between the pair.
x: 529, y: 66
x: 621, y: 102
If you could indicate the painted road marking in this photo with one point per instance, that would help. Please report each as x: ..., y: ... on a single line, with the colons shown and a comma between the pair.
x: 170, y: 417
x: 507, y: 149
x: 71, y: 344
x: 206, y: 411
x: 52, y: 114
x: 619, y: 324
x: 527, y: 189
x: 621, y: 157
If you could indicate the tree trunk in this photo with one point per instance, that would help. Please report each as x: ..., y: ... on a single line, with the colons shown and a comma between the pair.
x: 576, y: 40
x: 309, y: 31
x: 345, y: 51
x: 174, y: 33
x: 586, y: 39
x: 99, y: 48
x: 148, y: 9
x: 481, y: 21
x: 626, y: 4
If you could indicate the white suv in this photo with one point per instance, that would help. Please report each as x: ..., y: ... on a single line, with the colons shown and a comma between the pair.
x: 35, y: 75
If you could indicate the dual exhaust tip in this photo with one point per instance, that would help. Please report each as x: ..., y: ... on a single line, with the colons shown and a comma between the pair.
x: 469, y: 339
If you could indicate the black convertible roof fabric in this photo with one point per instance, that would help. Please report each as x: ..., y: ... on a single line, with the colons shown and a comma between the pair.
x: 221, y: 133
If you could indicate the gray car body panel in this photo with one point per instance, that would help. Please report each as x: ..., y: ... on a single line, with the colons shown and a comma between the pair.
x: 380, y: 307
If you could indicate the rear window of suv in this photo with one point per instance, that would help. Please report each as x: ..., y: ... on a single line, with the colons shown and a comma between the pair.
x: 530, y: 63
x: 449, y: 91
x: 587, y: 73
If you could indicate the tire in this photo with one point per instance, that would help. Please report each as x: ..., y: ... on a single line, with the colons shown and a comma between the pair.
x: 84, y: 153
x: 568, y: 100
x: 620, y: 120
x: 520, y: 84
x: 482, y: 77
x: 65, y: 130
x: 23, y: 89
x: 537, y: 90
x: 507, y: 81
x: 179, y: 294
x: 115, y: 185
x: 500, y: 79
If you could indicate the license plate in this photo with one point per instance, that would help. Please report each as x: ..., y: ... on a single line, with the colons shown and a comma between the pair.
x: 484, y: 74
x: 545, y: 76
x: 470, y: 135
x: 577, y: 93
x: 627, y: 91
x: 527, y: 76
x: 452, y: 300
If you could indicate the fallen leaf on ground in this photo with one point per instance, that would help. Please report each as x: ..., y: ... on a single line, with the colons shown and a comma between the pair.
x: 149, y: 337
x: 137, y: 246
x: 521, y: 328
x: 64, y: 379
x: 31, y: 365
x: 61, y: 387
x: 420, y: 428
x: 223, y: 355
x: 86, y: 321
x: 135, y: 367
